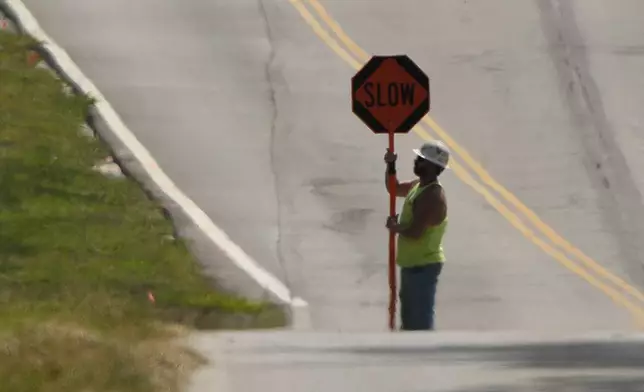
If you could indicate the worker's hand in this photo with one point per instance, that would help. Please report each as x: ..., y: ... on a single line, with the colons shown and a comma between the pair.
x: 392, y: 222
x: 390, y: 157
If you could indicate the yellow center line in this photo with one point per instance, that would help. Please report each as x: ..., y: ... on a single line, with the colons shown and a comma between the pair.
x: 481, y: 172
x: 320, y: 31
x: 462, y: 173
x: 619, y: 299
x: 547, y: 231
x: 335, y: 27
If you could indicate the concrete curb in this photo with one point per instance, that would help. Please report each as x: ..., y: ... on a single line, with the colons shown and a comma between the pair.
x: 213, y: 261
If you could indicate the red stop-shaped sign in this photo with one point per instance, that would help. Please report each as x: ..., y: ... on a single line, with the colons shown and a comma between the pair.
x: 390, y: 94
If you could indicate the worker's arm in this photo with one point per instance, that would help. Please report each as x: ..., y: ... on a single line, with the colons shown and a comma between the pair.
x: 402, y: 188
x: 429, y: 210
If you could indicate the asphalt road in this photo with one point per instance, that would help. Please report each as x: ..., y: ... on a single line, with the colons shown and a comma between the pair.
x: 247, y: 110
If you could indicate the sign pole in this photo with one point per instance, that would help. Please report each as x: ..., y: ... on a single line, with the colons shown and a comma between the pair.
x: 392, y: 240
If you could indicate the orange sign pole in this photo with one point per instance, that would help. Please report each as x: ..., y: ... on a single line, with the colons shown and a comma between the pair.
x: 392, y: 241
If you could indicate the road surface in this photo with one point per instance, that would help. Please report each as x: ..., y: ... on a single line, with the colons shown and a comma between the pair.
x: 247, y: 110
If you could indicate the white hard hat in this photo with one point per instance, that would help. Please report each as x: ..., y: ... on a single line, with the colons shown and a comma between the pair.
x: 435, y: 152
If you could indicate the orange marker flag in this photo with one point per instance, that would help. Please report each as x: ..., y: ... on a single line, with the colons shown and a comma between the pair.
x: 33, y: 58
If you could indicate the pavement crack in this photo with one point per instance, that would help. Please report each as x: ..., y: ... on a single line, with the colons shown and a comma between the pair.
x: 273, y: 141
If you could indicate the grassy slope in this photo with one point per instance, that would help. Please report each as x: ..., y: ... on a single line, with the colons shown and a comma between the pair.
x: 79, y: 252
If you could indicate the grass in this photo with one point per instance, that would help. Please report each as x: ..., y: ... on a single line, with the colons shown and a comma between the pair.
x: 79, y: 253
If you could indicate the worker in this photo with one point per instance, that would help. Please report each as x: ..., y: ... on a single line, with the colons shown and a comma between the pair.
x: 420, y: 231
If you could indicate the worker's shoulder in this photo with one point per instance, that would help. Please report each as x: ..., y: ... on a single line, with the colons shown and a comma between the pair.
x: 433, y: 193
x: 434, y: 188
x: 428, y: 191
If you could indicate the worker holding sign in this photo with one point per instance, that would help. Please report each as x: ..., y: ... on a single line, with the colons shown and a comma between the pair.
x: 420, y: 231
x: 390, y: 94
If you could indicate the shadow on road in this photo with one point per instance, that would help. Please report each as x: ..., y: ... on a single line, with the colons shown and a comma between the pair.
x: 569, y: 384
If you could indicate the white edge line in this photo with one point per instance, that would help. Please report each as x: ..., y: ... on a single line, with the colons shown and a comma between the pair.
x: 207, y: 226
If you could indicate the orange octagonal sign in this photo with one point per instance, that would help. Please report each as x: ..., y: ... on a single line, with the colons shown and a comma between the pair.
x: 390, y: 94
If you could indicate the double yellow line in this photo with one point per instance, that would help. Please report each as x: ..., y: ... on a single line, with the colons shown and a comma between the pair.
x: 561, y: 250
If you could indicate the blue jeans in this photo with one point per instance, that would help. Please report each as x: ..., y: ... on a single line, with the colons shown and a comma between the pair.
x: 418, y: 296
